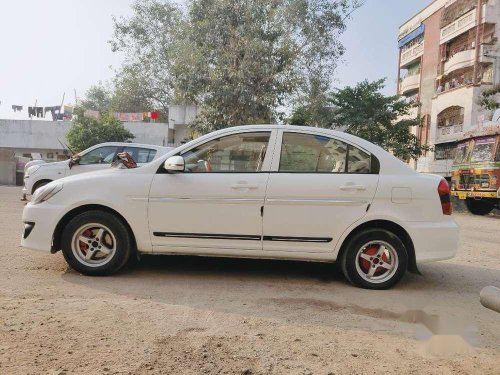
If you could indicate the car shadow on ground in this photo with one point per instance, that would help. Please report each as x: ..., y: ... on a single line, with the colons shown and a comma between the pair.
x: 279, y: 289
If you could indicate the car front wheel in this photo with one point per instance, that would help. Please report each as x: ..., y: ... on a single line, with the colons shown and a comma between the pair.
x: 374, y: 259
x: 96, y: 243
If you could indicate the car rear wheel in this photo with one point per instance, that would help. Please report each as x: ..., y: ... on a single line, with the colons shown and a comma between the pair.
x: 479, y: 207
x: 96, y: 243
x: 374, y: 259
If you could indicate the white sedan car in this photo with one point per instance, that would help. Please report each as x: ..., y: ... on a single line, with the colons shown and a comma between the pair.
x: 92, y: 159
x: 262, y: 191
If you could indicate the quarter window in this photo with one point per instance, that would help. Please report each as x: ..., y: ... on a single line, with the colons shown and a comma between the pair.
x: 239, y: 153
x: 305, y: 153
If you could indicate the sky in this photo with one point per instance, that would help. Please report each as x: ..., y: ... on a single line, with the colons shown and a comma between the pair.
x: 52, y: 48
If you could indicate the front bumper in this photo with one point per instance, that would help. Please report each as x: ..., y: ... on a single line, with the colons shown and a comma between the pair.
x: 434, y: 241
x: 43, y: 218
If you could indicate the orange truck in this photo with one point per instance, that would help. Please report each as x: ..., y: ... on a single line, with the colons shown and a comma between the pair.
x: 476, y: 170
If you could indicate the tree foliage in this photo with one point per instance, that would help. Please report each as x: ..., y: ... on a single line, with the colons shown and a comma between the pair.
x: 384, y: 120
x: 239, y: 61
x: 97, y: 98
x: 87, y: 132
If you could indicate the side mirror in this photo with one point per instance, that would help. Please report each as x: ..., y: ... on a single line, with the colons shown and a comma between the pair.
x: 174, y: 164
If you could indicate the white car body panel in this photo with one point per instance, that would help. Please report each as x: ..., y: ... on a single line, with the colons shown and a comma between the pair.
x: 315, y: 206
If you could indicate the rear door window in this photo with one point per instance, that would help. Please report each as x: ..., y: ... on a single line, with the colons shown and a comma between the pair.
x: 140, y: 154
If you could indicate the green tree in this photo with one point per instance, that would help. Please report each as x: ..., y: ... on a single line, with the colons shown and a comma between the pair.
x: 98, y: 97
x: 87, y: 132
x: 384, y: 120
x: 239, y: 61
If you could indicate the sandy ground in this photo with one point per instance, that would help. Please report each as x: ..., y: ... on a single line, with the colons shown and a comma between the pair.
x: 182, y: 315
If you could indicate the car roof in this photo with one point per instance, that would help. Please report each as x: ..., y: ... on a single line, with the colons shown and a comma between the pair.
x: 129, y: 144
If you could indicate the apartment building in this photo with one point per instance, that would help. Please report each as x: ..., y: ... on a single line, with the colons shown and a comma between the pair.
x: 449, y: 54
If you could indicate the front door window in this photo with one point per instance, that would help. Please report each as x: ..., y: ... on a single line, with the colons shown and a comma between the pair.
x: 239, y: 153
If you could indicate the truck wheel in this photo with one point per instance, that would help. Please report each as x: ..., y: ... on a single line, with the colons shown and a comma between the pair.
x: 479, y: 207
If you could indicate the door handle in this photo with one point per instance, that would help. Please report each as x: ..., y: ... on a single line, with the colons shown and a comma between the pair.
x: 244, y: 186
x: 353, y: 187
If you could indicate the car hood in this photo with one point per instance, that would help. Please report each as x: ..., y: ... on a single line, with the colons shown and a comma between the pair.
x: 60, y: 165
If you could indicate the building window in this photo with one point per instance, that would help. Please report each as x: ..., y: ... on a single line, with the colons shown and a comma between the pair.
x: 445, y: 151
x: 50, y: 155
x: 451, y: 116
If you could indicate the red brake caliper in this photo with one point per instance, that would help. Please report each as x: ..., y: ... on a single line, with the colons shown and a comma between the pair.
x: 83, y: 246
x: 371, y: 251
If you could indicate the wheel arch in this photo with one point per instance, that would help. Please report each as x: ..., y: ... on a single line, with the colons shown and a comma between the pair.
x: 56, y: 237
x: 391, y: 226
x: 37, y: 184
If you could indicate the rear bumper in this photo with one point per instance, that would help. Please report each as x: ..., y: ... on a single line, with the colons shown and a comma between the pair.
x: 434, y: 241
x: 464, y: 194
x: 43, y: 218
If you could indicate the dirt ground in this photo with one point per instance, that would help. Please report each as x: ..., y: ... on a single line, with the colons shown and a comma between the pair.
x: 188, y: 315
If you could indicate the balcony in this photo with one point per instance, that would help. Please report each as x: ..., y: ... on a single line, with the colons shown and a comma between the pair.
x: 409, y: 83
x: 449, y: 133
x: 459, y: 60
x: 459, y: 26
x: 412, y: 53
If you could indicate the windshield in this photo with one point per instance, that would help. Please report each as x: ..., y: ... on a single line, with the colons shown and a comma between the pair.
x: 461, y: 154
x: 483, y: 150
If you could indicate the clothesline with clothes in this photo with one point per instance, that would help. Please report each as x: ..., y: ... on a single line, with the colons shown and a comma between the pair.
x: 40, y: 112
x: 125, y: 116
x: 66, y: 112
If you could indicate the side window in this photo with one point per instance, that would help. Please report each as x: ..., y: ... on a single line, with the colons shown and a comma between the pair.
x: 141, y: 155
x: 238, y: 153
x: 312, y: 154
x: 307, y: 153
x: 358, y: 161
x: 100, y: 155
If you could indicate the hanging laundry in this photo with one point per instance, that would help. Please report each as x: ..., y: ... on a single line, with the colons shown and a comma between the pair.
x: 52, y: 111
x: 129, y: 117
x: 92, y: 114
x: 31, y: 111
x: 155, y: 115
x: 17, y: 108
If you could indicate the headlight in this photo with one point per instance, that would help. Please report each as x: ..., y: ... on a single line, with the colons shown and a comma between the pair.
x: 45, y: 193
x: 31, y: 170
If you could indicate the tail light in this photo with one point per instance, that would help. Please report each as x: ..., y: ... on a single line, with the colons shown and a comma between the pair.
x: 444, y: 197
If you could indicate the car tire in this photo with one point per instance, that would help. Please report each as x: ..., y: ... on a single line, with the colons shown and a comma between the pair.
x: 96, y: 243
x: 479, y: 207
x: 374, y: 259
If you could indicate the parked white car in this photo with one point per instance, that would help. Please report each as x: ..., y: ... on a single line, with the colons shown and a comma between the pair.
x: 262, y: 191
x: 92, y: 159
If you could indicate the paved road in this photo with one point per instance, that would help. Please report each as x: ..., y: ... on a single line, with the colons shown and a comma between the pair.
x: 182, y: 315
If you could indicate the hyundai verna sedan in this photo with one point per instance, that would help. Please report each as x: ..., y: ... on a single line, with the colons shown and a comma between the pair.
x: 261, y: 191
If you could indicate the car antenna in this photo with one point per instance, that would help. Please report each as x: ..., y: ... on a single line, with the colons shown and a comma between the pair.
x: 65, y: 146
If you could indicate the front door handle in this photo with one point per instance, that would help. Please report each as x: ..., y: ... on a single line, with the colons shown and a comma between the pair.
x: 353, y: 187
x: 243, y: 186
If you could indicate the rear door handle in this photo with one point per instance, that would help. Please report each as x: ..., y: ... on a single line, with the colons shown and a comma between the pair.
x: 244, y: 186
x: 353, y: 187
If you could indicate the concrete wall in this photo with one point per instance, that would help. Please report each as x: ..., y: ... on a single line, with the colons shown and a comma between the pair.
x: 44, y: 136
x: 7, y: 167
